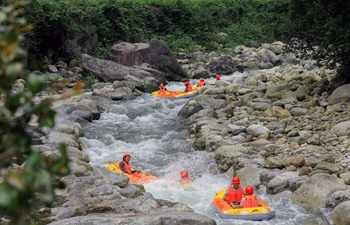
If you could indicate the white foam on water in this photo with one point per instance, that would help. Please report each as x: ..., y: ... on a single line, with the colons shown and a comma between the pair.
x: 150, y: 130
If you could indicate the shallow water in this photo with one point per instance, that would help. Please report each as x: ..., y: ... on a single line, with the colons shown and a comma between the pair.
x: 149, y: 129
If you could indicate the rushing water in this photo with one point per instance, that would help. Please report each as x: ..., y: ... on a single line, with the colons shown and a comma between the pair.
x: 150, y: 130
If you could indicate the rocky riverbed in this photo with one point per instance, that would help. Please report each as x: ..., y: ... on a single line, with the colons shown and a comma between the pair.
x: 275, y: 126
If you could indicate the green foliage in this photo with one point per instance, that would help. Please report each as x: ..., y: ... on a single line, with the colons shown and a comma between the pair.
x: 320, y: 29
x: 32, y: 184
x: 194, y: 23
x: 89, y: 80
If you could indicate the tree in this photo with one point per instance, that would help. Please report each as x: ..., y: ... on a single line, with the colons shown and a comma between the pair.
x: 30, y: 185
x: 321, y: 28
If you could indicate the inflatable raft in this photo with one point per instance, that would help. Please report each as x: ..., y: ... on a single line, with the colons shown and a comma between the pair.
x: 136, y: 177
x: 225, y: 211
x: 175, y: 94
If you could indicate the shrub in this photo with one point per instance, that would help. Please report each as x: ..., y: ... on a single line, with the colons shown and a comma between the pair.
x: 27, y: 187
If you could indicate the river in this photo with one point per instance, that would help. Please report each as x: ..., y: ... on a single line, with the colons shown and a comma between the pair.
x: 150, y: 130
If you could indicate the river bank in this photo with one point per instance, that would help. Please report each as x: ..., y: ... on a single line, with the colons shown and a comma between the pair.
x: 276, y: 127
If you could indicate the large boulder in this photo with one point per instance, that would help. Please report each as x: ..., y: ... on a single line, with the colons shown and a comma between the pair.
x: 316, y: 190
x: 144, y: 79
x: 157, y: 55
x: 341, y: 94
x: 223, y: 65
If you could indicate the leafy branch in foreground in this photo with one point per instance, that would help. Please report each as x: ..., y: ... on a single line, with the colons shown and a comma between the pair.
x: 26, y: 187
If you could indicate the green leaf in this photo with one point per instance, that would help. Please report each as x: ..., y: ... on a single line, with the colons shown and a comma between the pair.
x: 14, y: 69
x: 44, y: 187
x: 47, y: 118
x: 60, y: 166
x: 34, y: 160
x: 34, y: 83
x: 43, y: 177
x: 16, y: 180
x: 6, y: 195
x: 3, y: 17
x: 13, y: 100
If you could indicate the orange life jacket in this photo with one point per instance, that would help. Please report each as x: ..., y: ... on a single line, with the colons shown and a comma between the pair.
x: 250, y: 201
x: 162, y: 90
x: 201, y: 84
x: 189, y: 88
x: 234, y: 195
x: 126, y: 166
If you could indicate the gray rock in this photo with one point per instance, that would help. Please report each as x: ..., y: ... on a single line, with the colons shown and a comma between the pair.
x: 249, y: 176
x: 157, y: 55
x: 346, y: 178
x: 315, y: 191
x: 274, y: 162
x: 342, y: 128
x: 340, y: 214
x: 298, y: 111
x: 236, y: 129
x: 341, y: 94
x: 143, y: 219
x: 109, y: 71
x: 330, y: 167
x: 280, y: 182
x: 131, y: 191
x: 57, y: 138
x: 261, y: 106
x: 257, y: 130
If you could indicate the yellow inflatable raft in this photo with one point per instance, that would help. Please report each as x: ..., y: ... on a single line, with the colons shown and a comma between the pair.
x: 175, y: 94
x: 225, y: 211
x: 136, y: 177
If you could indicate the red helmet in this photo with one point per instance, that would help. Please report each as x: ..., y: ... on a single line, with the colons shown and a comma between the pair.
x: 249, y: 190
x: 125, y: 155
x: 236, y: 180
x: 202, y: 79
x: 187, y: 83
x: 184, y: 174
x: 217, y: 77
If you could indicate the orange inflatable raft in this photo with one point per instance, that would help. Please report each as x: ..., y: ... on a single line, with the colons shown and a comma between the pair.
x: 136, y: 177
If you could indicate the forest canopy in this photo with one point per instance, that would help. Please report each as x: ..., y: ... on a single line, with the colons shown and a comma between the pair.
x: 187, y: 26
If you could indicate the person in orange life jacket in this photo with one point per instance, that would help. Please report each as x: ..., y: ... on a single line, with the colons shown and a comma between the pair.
x: 162, y: 88
x: 201, y: 82
x: 184, y: 177
x: 234, y: 193
x: 217, y: 77
x: 188, y: 86
x: 250, y: 200
x: 125, y: 166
